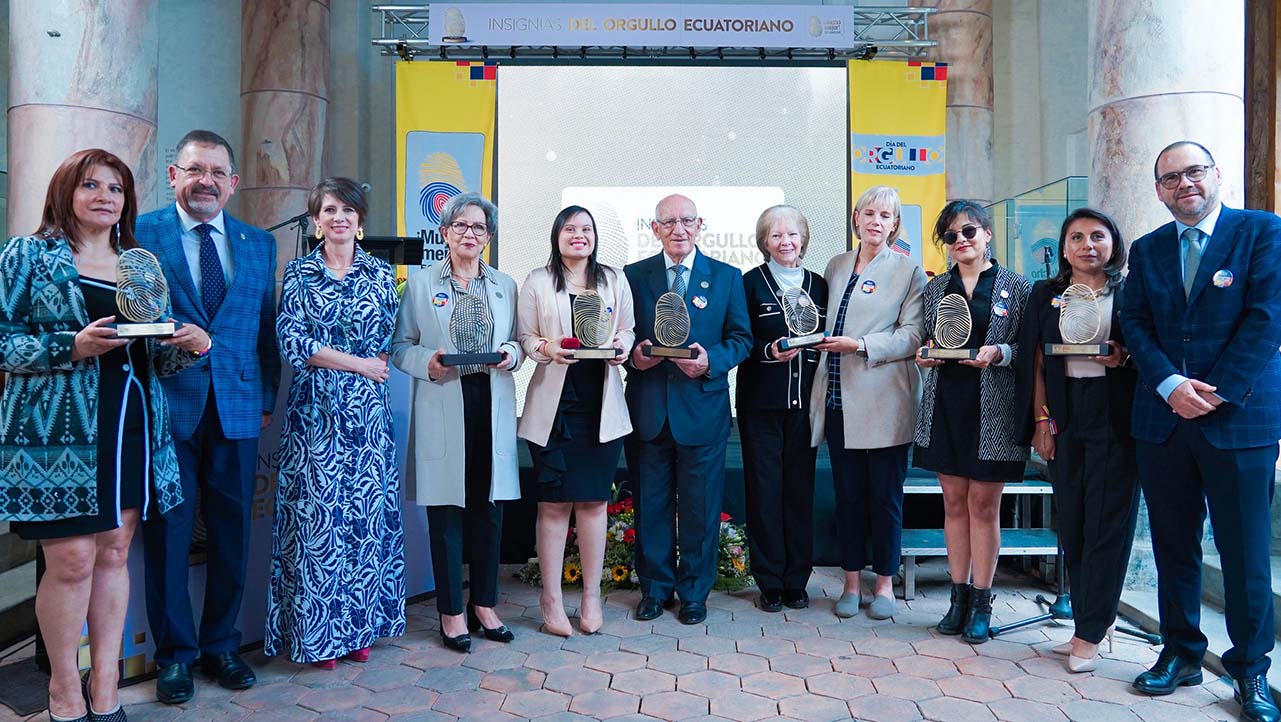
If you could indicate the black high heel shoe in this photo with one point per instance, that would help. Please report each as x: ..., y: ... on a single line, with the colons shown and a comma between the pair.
x: 501, y: 634
x: 461, y: 643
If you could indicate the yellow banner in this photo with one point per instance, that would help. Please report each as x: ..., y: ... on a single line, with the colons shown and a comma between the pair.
x: 445, y: 114
x: 897, y: 138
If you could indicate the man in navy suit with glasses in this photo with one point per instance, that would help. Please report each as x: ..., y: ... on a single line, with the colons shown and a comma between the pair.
x: 222, y: 277
x: 1202, y: 317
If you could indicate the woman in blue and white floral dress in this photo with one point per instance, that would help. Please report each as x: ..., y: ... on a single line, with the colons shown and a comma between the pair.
x: 337, y: 568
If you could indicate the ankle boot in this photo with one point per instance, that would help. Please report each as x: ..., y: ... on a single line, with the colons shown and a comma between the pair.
x: 979, y: 620
x: 954, y: 621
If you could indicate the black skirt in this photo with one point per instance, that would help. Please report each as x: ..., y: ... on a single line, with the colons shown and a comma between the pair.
x: 575, y: 465
x: 122, y: 431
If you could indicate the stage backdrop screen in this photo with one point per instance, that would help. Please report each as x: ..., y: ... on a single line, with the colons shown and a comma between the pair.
x: 615, y: 140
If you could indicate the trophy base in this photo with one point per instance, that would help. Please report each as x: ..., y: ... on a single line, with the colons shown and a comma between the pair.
x: 670, y: 352
x: 950, y: 354
x: 587, y: 353
x: 162, y: 329
x: 1077, y: 349
x: 812, y: 339
x: 471, y: 359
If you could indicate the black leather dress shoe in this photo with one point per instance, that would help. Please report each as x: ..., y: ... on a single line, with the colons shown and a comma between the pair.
x: 771, y: 600
x: 229, y: 669
x: 796, y: 598
x: 693, y: 613
x: 1256, y: 700
x: 1168, y: 674
x: 649, y: 608
x: 174, y: 685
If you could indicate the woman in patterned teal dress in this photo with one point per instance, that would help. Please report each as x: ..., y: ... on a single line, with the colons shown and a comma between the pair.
x: 337, y: 568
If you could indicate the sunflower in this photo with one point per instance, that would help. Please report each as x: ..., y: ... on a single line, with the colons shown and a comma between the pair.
x: 738, y: 564
x: 573, y: 574
x: 620, y: 573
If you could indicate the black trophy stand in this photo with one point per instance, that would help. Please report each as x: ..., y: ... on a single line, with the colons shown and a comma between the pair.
x: 1061, y: 609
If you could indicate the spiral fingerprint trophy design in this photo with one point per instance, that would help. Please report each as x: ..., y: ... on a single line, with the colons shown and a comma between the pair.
x: 466, y: 324
x: 591, y: 328
x: 952, y: 326
x: 800, y: 313
x: 1079, y: 322
x: 671, y: 328
x: 142, y: 295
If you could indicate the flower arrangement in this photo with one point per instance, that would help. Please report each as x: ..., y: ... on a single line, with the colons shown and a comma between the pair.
x: 620, y: 541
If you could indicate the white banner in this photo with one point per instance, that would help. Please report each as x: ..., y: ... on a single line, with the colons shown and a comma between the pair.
x: 702, y: 26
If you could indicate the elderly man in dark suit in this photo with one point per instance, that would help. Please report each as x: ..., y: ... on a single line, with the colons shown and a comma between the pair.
x: 1202, y: 315
x: 222, y: 277
x: 680, y: 412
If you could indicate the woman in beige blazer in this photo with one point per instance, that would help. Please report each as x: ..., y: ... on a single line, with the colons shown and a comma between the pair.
x: 866, y: 392
x: 462, y: 458
x: 575, y: 415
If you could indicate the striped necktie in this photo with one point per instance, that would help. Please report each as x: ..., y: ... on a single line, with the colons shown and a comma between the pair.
x: 678, y: 286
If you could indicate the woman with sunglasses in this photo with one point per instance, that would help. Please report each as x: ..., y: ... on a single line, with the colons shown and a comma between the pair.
x: 1082, y: 407
x: 973, y: 461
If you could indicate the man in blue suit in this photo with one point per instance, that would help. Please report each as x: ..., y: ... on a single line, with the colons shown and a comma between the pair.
x: 222, y: 277
x: 1202, y: 317
x: 680, y: 412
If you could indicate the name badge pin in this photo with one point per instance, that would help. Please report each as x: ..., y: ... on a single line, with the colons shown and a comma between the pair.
x: 1056, y: 301
x: 700, y: 301
x: 868, y: 286
x: 1222, y: 278
x: 440, y: 300
x: 1000, y: 309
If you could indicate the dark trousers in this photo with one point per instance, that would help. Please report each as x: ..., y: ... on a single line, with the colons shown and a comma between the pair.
x: 220, y: 472
x: 1096, y: 502
x: 1179, y: 478
x: 869, y: 499
x: 685, y: 481
x: 479, y: 524
x: 778, y: 474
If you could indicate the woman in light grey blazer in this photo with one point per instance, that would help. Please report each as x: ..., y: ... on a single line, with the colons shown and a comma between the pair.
x: 867, y: 374
x: 463, y: 426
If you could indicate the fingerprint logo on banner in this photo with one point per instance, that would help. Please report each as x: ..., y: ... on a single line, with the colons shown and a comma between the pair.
x: 440, y: 179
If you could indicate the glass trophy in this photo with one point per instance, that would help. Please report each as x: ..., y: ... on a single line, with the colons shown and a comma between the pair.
x: 800, y: 313
x: 465, y: 329
x: 952, y: 326
x: 1079, y: 322
x: 671, y: 328
x: 591, y: 329
x: 142, y: 295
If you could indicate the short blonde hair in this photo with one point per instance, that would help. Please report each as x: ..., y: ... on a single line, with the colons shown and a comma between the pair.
x: 774, y: 214
x: 879, y: 195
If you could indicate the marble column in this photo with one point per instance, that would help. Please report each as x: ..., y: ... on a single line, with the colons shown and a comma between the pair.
x: 1161, y: 71
x: 284, y: 97
x: 963, y: 29
x: 1156, y: 78
x: 82, y: 74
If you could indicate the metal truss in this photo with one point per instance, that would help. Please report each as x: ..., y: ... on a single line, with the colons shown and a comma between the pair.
x: 887, y: 32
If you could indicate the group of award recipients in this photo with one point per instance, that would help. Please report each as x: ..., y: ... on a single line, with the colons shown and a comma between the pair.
x: 1168, y: 378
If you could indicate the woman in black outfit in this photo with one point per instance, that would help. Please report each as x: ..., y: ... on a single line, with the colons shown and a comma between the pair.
x: 773, y: 415
x: 973, y: 461
x: 1082, y: 405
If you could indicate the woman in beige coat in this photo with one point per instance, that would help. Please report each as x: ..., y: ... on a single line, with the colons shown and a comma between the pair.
x: 575, y: 414
x: 463, y: 426
x: 868, y: 374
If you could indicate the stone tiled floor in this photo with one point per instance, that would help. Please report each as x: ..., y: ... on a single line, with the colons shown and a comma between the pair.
x: 743, y: 664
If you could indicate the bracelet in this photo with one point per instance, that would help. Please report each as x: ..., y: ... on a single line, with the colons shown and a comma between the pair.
x: 542, y: 344
x: 202, y: 354
x: 1045, y: 411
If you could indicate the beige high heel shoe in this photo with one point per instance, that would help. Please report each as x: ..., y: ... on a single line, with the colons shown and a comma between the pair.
x: 587, y: 624
x: 553, y: 625
x: 1089, y: 664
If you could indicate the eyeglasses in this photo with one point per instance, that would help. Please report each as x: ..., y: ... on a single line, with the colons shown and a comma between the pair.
x: 479, y: 229
x: 689, y: 223
x: 1194, y: 174
x: 967, y: 231
x: 195, y: 172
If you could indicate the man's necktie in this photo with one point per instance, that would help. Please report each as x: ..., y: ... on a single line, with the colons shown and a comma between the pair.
x: 1191, y: 258
x: 678, y: 286
x: 213, y: 284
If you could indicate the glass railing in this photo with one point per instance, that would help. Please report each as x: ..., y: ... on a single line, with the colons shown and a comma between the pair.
x: 1025, y: 234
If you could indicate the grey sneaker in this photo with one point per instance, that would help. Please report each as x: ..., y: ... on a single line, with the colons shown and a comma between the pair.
x: 847, y: 605
x: 882, y: 607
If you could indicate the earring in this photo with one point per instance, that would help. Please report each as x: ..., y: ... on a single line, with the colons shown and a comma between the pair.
x: 360, y: 234
x: 117, y: 235
x: 319, y: 233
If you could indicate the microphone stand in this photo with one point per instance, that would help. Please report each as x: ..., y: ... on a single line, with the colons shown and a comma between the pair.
x: 300, y: 223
